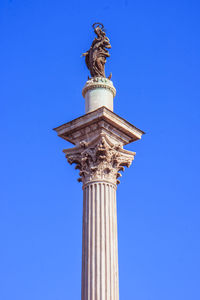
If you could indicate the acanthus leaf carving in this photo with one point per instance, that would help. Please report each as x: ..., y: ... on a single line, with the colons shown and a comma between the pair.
x: 99, y: 160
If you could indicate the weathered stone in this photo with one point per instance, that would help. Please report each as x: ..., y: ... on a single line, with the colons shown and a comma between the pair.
x: 99, y: 137
x: 99, y: 160
x: 100, y: 121
x: 98, y: 92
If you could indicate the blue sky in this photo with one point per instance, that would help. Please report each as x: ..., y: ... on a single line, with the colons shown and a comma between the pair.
x: 155, y: 61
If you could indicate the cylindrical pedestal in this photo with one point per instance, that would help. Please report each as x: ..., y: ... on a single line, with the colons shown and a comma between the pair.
x: 98, y: 92
x: 100, y: 249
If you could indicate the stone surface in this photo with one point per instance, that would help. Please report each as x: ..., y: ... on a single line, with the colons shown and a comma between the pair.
x: 99, y: 160
x: 100, y: 247
x: 101, y: 121
x: 99, y: 137
x: 98, y: 92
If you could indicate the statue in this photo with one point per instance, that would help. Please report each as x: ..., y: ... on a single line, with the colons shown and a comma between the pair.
x: 95, y: 57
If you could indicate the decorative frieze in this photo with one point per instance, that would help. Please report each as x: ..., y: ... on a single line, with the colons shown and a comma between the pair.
x: 93, y: 124
x: 99, y: 82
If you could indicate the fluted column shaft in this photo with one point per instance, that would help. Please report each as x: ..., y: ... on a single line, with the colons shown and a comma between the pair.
x: 99, y: 162
x: 99, y: 243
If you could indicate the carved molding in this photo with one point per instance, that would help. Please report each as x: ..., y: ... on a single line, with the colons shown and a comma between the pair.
x: 99, y: 82
x: 99, y: 160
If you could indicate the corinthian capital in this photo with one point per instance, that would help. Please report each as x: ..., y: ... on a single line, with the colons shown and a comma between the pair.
x: 99, y: 160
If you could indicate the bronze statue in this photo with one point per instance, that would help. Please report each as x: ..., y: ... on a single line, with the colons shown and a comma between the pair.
x: 95, y: 57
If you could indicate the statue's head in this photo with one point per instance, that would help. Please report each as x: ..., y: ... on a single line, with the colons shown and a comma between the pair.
x: 100, y: 32
x: 99, y: 29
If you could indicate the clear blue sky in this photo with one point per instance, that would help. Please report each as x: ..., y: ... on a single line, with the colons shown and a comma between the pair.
x: 155, y: 61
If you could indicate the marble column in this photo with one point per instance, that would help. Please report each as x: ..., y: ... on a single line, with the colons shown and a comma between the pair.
x: 99, y: 163
x: 98, y: 92
x: 99, y: 137
x: 99, y: 252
